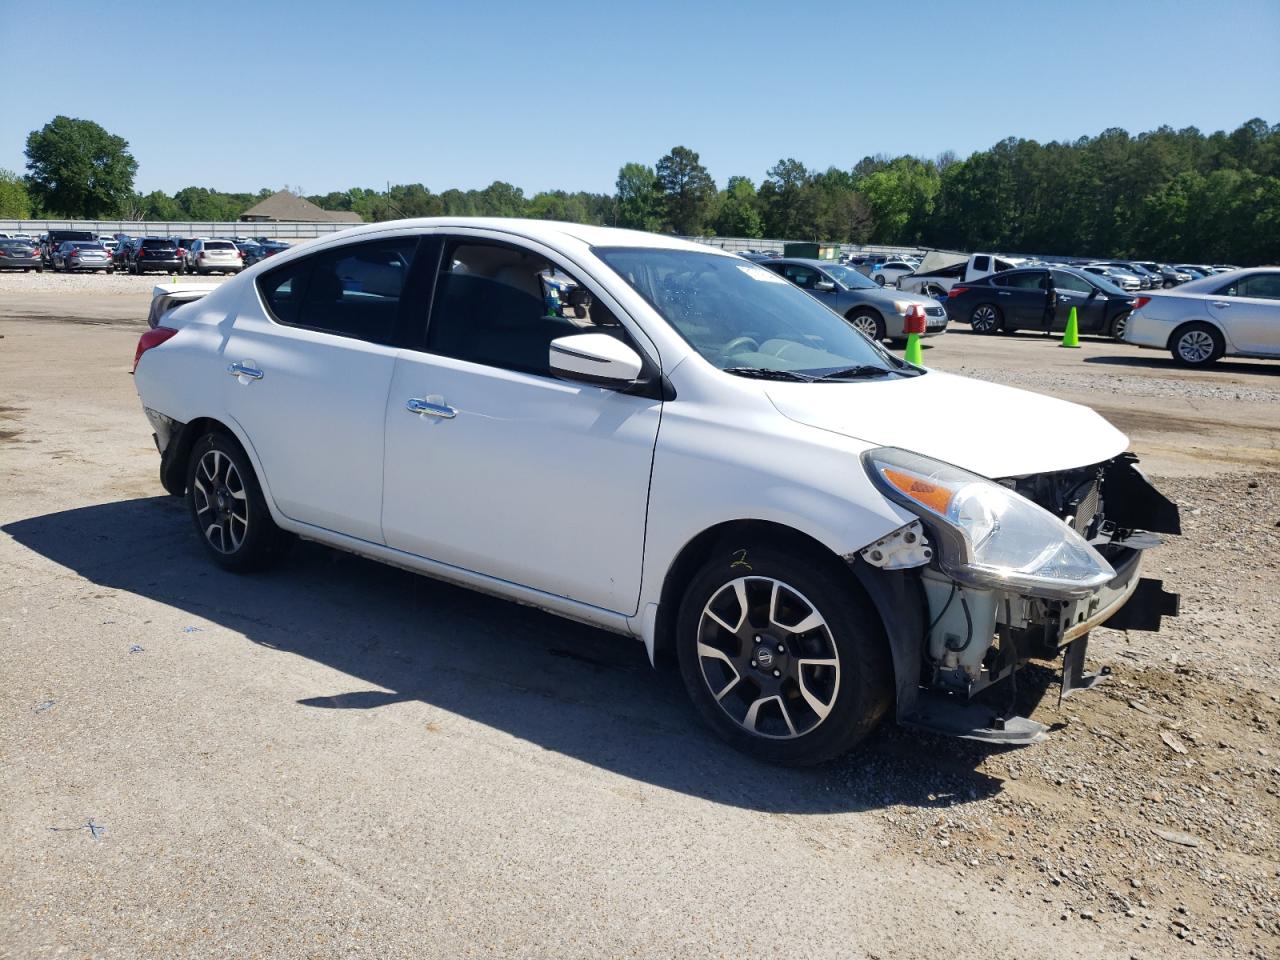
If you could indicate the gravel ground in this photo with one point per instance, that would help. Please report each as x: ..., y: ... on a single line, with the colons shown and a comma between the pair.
x: 1113, y: 385
x: 339, y: 759
x: 90, y: 284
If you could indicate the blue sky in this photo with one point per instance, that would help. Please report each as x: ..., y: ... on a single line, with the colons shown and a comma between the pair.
x: 327, y: 95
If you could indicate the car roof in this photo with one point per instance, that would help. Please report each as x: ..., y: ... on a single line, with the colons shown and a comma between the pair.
x: 547, y: 231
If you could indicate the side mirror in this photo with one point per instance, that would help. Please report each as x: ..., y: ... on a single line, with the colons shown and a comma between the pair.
x: 825, y: 286
x: 594, y: 358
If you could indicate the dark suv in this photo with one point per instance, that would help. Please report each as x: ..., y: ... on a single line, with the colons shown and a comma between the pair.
x: 56, y: 238
x: 153, y: 253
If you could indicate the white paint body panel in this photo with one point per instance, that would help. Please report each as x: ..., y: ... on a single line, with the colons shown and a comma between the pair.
x: 943, y: 416
x: 574, y: 498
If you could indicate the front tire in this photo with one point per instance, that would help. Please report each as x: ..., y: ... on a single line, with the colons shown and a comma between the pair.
x: 782, y: 654
x: 1197, y: 345
x: 985, y: 318
x: 867, y: 322
x: 227, y: 506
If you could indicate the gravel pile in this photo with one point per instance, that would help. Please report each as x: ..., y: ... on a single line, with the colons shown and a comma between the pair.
x: 106, y: 284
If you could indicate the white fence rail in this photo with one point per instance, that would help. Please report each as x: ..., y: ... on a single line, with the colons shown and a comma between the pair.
x: 736, y: 244
x: 302, y: 231
x: 178, y: 228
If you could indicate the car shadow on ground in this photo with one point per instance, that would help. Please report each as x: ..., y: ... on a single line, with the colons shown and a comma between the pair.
x: 1165, y: 362
x: 569, y: 688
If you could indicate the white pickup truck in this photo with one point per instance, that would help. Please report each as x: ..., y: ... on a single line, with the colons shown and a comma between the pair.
x: 939, y: 271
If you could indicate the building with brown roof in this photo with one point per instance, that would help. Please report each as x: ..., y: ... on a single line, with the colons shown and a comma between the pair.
x: 286, y: 207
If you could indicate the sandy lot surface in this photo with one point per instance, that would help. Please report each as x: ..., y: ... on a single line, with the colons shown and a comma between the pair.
x: 336, y: 759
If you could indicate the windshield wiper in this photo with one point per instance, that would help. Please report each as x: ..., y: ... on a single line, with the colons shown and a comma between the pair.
x: 768, y: 373
x: 860, y: 372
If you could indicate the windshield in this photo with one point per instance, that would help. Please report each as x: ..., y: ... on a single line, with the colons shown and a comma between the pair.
x: 742, y: 317
x: 849, y: 277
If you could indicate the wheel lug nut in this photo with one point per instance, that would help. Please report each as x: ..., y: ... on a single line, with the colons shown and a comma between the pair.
x: 777, y: 673
x: 781, y: 648
x: 753, y: 663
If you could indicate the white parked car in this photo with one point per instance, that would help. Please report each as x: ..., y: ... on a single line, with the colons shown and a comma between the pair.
x: 888, y: 274
x: 678, y: 446
x: 1233, y: 314
x: 214, y: 256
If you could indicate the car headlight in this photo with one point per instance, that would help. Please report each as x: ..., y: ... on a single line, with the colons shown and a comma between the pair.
x: 902, y: 306
x: 988, y: 535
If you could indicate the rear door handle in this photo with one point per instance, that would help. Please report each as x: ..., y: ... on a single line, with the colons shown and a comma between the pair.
x: 242, y: 369
x: 1004, y: 294
x: 1221, y: 304
x: 430, y: 408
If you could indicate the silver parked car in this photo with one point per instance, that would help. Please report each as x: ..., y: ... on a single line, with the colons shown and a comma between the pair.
x: 1228, y: 314
x: 874, y: 310
x: 1122, y: 279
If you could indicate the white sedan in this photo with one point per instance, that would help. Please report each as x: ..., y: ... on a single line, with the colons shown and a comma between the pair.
x: 665, y: 441
x: 1234, y: 314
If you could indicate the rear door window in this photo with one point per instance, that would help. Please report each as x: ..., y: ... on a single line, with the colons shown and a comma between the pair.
x: 982, y: 263
x: 1264, y: 286
x: 351, y: 291
x: 1022, y: 280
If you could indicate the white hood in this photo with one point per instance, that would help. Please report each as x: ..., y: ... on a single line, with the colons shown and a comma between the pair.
x: 991, y: 430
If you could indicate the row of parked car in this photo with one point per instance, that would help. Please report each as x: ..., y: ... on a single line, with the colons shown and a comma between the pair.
x: 1131, y: 275
x: 82, y: 251
x: 1221, y: 312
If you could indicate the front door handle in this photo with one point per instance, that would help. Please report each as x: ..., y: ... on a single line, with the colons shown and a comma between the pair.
x: 242, y: 369
x: 1220, y: 304
x: 430, y: 408
x: 1003, y: 294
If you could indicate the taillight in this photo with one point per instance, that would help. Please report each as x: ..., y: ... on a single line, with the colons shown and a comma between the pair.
x: 141, y: 253
x: 956, y: 291
x: 152, y: 338
x: 1141, y: 302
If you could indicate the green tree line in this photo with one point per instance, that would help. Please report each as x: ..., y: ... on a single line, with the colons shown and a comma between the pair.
x: 1174, y: 195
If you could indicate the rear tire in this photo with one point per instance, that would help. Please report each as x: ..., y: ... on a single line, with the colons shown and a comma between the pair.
x: 986, y: 319
x: 773, y: 691
x: 1197, y: 345
x: 227, y: 507
x: 880, y: 279
x: 1119, y: 323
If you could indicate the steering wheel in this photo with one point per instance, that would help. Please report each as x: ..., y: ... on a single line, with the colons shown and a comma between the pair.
x: 737, y: 343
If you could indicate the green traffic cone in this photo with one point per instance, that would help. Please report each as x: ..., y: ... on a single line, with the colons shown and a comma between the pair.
x: 1071, y: 338
x: 913, y: 353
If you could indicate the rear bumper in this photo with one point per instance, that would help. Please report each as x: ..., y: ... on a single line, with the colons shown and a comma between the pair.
x: 157, y: 265
x: 1145, y: 331
x: 215, y: 267
x: 21, y: 263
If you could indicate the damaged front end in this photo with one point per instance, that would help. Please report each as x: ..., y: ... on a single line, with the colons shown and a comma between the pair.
x: 981, y: 590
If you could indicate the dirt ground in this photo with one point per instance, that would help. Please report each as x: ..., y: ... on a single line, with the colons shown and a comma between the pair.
x: 340, y: 759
